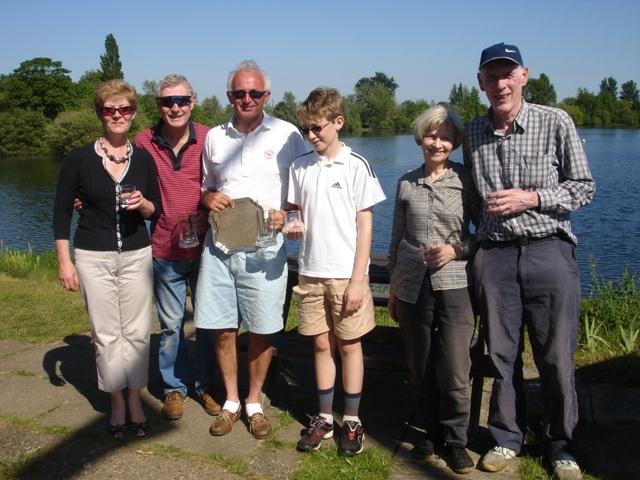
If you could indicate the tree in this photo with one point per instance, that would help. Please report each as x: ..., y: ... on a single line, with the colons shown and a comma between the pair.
x: 377, y: 101
x: 540, y: 90
x: 39, y: 84
x: 609, y: 88
x: 456, y: 94
x: 21, y: 133
x: 72, y: 129
x: 629, y: 92
x: 286, y: 109
x: 466, y: 102
x: 110, y: 65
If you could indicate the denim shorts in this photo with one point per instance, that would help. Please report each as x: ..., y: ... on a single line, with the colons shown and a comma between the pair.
x: 242, y: 289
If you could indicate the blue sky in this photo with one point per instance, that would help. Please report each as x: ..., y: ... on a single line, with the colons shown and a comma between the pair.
x: 427, y: 46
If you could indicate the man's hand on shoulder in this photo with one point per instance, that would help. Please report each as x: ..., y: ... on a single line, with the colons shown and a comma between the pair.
x: 215, y: 201
x: 508, y: 202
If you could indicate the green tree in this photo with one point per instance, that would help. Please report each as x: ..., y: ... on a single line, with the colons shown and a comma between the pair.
x: 609, y: 88
x: 110, y: 65
x: 21, y: 133
x: 72, y: 129
x: 85, y: 88
x: 376, y: 99
x: 466, y: 102
x: 352, y: 121
x: 540, y: 90
x: 286, y: 108
x: 457, y: 94
x: 629, y: 92
x: 408, y: 111
x: 214, y: 113
x: 39, y: 84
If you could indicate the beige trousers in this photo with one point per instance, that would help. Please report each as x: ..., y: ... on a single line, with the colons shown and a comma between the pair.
x: 117, y: 290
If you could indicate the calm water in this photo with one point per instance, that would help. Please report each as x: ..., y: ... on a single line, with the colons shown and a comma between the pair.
x: 607, y: 230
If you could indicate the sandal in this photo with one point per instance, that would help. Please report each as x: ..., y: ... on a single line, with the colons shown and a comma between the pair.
x: 139, y: 429
x: 117, y: 431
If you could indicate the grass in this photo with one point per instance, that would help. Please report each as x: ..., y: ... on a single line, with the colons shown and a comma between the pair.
x: 326, y: 464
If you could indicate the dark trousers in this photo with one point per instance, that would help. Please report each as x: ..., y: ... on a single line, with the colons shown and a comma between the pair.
x: 438, y: 330
x: 537, y: 286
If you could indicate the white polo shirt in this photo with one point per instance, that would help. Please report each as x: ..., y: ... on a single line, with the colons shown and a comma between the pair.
x: 254, y: 164
x: 329, y: 194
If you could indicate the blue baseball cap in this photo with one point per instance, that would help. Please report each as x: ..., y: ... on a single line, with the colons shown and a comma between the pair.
x: 500, y: 51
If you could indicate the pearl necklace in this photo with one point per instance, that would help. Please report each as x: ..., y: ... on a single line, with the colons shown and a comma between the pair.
x: 111, y: 156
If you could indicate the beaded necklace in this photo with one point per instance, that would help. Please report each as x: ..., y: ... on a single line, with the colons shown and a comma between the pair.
x: 111, y: 156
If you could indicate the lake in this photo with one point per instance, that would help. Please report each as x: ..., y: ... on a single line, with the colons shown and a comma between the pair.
x: 607, y: 229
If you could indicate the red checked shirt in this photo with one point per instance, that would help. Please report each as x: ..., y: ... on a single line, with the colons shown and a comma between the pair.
x: 179, y: 178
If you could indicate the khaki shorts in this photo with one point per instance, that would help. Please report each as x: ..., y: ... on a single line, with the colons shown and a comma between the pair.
x: 320, y: 309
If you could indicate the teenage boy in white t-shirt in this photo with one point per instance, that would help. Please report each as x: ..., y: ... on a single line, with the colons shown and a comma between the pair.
x: 335, y: 190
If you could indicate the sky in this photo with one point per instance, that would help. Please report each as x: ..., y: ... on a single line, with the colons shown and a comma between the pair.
x: 425, y: 45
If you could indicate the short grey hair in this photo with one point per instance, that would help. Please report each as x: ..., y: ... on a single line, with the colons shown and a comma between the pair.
x: 173, y: 80
x: 432, y: 118
x: 248, y: 65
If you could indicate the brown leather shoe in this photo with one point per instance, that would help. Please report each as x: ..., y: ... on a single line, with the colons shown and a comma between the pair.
x: 259, y: 426
x: 173, y: 405
x: 209, y: 403
x: 223, y: 424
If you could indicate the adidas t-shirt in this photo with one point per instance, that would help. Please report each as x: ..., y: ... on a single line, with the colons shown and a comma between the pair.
x: 329, y: 194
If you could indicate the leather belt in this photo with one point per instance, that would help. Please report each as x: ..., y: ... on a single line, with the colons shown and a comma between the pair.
x: 518, y: 242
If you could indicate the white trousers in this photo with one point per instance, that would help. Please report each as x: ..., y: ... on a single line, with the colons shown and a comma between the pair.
x: 117, y: 289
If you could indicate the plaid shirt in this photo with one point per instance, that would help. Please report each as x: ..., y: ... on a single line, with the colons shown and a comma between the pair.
x: 428, y: 213
x: 543, y: 154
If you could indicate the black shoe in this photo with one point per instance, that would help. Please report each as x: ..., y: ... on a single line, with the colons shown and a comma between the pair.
x: 351, y: 439
x: 458, y: 459
x: 312, y: 437
x: 423, y: 449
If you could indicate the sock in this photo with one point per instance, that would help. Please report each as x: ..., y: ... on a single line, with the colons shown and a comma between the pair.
x: 252, y: 408
x: 351, y: 404
x: 325, y: 401
x: 351, y: 418
x: 231, y: 406
x: 327, y: 417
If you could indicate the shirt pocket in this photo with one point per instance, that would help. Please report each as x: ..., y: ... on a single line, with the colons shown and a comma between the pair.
x: 538, y: 171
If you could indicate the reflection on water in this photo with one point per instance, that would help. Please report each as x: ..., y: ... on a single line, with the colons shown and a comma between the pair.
x: 607, y: 229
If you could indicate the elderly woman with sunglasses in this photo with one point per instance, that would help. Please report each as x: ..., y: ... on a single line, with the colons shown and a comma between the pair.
x: 117, y: 185
x: 429, y: 287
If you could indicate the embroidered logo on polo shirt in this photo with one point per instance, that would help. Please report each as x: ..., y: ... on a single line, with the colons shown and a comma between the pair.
x: 336, y: 185
x: 269, y: 154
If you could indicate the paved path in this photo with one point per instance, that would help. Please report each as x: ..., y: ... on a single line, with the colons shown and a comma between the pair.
x: 50, y: 409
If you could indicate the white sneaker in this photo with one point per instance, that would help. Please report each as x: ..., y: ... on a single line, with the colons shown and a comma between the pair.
x: 566, y: 470
x: 496, y: 459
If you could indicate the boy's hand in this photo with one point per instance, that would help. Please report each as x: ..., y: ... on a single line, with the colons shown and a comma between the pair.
x: 352, y: 298
x: 77, y: 204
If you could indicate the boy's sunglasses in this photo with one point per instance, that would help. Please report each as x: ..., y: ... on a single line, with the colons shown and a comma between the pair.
x: 255, y: 94
x: 316, y: 129
x: 180, y: 100
x: 110, y: 111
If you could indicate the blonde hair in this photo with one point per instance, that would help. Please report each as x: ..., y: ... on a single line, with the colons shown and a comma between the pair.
x: 111, y: 89
x: 432, y: 118
x: 322, y: 102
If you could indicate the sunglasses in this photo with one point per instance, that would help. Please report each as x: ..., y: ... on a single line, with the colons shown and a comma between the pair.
x: 254, y: 94
x: 316, y: 129
x: 110, y: 111
x: 180, y: 100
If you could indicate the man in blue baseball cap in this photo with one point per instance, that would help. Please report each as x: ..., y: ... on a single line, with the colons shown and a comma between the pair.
x: 529, y: 166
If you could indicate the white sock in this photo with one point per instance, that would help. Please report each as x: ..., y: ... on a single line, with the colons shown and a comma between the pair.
x: 252, y: 408
x: 351, y: 418
x: 230, y: 406
x: 328, y: 417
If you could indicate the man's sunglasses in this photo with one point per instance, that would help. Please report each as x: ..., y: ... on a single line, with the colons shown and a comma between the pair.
x: 316, y: 129
x: 255, y: 94
x: 110, y: 111
x: 180, y: 100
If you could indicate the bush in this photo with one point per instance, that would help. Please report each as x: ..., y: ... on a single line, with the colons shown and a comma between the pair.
x: 610, y: 316
x: 72, y: 129
x: 21, y: 133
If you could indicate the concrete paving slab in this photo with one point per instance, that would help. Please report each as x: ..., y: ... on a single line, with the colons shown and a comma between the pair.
x: 28, y: 397
x: 10, y: 347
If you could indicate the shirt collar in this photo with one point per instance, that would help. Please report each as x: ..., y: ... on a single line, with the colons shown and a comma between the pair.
x: 519, y: 122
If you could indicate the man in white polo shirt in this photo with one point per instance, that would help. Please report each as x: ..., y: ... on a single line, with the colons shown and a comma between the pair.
x: 249, y: 156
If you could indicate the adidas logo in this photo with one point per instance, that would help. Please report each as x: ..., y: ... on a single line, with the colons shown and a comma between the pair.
x: 336, y: 185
